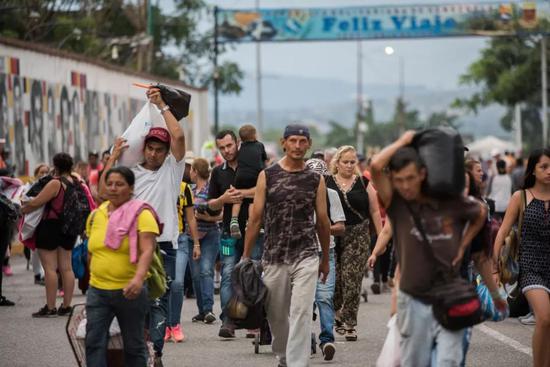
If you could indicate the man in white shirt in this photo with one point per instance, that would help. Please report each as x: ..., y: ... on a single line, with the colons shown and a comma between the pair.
x: 157, y: 182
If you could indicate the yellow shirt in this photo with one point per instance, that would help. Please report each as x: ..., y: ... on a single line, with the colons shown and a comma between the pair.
x: 111, y: 269
x: 185, y: 200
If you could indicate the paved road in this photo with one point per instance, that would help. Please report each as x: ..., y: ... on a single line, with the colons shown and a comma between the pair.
x: 28, y: 342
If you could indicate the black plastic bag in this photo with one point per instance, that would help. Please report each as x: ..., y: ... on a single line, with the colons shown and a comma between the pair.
x: 442, y: 150
x: 176, y: 99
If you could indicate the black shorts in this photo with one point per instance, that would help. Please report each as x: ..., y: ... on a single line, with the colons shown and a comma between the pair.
x: 49, y: 236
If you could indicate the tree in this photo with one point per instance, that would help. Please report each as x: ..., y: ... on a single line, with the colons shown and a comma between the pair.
x: 116, y: 31
x: 508, y: 73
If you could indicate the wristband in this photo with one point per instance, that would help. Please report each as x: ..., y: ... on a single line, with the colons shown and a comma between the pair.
x: 164, y: 109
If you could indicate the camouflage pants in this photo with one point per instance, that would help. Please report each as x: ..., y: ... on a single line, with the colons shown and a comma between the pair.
x: 350, y: 267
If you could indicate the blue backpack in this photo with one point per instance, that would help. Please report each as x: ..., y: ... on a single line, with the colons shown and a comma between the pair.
x: 80, y: 259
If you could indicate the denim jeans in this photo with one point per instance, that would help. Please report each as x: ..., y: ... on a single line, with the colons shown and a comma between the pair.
x: 101, y: 307
x: 159, y: 307
x: 228, y: 264
x: 176, y: 288
x: 424, y: 341
x: 323, y: 301
x: 202, y: 270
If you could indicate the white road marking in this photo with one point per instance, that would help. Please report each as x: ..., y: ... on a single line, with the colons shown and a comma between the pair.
x: 505, y: 339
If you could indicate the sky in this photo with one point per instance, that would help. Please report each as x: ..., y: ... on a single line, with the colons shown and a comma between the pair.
x: 433, y: 63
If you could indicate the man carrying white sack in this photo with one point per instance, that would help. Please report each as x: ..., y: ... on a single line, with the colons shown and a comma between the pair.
x: 157, y: 183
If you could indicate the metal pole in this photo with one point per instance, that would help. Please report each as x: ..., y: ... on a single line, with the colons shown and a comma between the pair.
x: 517, y: 127
x: 401, y: 78
x: 259, y: 107
x: 216, y: 75
x: 360, y: 139
x: 544, y: 92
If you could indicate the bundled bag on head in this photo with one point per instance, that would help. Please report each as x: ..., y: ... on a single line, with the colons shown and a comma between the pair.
x: 148, y: 117
x: 442, y: 151
x: 246, y: 307
x: 176, y: 99
x: 508, y: 259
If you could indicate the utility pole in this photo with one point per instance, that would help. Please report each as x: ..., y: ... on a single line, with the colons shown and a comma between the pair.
x: 360, y: 129
x: 216, y: 74
x: 544, y: 76
x: 259, y: 107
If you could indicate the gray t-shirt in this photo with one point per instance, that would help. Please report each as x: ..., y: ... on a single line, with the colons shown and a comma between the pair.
x: 444, y: 222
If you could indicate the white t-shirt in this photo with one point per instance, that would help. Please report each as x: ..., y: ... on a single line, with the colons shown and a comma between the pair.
x: 501, y: 192
x: 160, y: 189
x: 336, y: 213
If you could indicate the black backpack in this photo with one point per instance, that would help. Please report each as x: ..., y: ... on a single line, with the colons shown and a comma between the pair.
x: 75, y: 208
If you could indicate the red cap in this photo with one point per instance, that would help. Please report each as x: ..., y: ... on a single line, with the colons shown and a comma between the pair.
x: 159, y: 133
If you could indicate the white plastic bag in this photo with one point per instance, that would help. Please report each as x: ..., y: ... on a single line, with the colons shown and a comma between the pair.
x: 148, y: 117
x: 390, y: 356
x: 30, y: 223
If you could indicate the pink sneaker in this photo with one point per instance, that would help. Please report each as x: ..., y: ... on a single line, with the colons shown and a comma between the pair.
x: 7, y: 270
x: 60, y: 293
x: 177, y: 334
x: 168, y: 334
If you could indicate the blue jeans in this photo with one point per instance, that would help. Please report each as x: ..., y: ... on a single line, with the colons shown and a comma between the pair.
x: 228, y: 264
x: 202, y: 270
x: 101, y: 307
x: 176, y: 288
x: 159, y: 307
x: 323, y: 300
x: 424, y: 341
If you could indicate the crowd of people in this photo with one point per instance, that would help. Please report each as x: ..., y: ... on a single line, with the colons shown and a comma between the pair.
x: 318, y: 223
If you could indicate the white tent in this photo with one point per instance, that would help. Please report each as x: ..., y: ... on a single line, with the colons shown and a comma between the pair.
x: 488, y: 146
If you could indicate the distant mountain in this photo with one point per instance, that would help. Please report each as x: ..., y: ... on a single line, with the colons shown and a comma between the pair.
x: 290, y: 98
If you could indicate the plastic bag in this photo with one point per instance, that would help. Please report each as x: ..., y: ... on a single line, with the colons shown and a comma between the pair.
x: 176, y: 99
x: 148, y: 117
x: 390, y: 356
x: 29, y: 224
x: 442, y: 151
x: 490, y: 312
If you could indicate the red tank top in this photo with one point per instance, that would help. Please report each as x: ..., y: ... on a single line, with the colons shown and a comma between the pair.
x: 56, y: 204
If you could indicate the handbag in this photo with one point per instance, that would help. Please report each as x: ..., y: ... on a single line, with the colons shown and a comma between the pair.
x: 156, y: 283
x: 508, y: 265
x: 455, y: 303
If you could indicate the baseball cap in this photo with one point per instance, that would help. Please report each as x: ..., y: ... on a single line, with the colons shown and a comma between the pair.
x: 317, y: 165
x: 299, y: 130
x: 159, y: 133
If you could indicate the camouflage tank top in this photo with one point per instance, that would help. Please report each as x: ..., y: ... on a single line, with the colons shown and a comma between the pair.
x: 290, y: 234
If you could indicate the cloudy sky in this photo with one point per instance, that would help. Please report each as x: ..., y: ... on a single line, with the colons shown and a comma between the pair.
x: 434, y: 63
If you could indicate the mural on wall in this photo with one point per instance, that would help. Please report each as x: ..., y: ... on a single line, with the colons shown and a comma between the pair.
x: 39, y: 119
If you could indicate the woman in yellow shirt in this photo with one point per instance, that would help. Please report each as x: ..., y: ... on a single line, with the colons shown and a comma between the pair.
x: 117, y: 284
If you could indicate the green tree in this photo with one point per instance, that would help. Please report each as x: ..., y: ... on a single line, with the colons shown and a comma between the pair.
x: 116, y: 31
x: 508, y: 73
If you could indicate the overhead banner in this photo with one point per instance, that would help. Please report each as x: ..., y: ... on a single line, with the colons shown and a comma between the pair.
x: 377, y: 22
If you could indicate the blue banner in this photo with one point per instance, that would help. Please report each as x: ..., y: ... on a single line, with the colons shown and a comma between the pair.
x: 377, y: 22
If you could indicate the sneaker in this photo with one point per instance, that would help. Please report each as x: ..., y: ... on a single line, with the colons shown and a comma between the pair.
x: 227, y: 331
x: 351, y: 334
x: 6, y: 302
x: 198, y: 318
x: 209, y: 318
x: 45, y: 312
x: 328, y: 350
x: 528, y: 319
x: 7, y: 270
x: 64, y: 311
x: 60, y: 293
x: 168, y: 334
x: 375, y: 287
x: 234, y: 230
x: 39, y: 280
x: 177, y: 333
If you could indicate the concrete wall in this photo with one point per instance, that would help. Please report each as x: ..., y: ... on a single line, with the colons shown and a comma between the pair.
x: 52, y: 101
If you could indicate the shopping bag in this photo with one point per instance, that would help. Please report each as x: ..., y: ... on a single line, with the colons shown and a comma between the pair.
x: 490, y: 312
x: 148, y: 117
x: 29, y: 223
x: 390, y: 356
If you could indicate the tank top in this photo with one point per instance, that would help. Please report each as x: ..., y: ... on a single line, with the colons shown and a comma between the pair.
x: 357, y: 197
x: 290, y: 233
x: 54, y: 208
